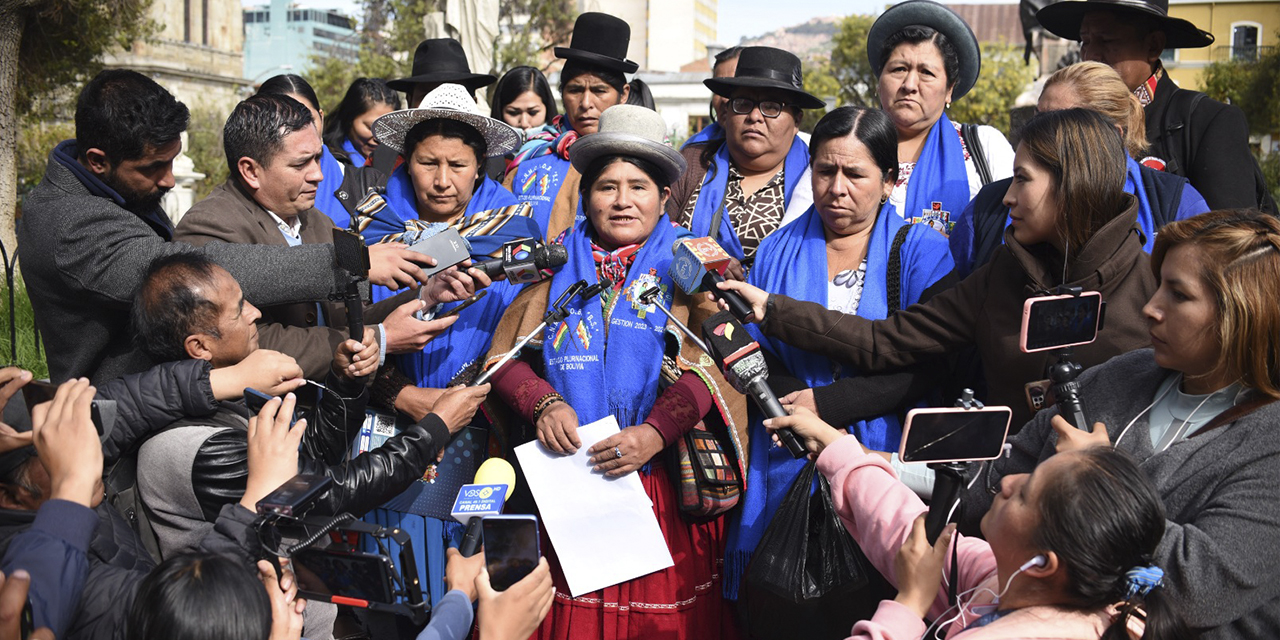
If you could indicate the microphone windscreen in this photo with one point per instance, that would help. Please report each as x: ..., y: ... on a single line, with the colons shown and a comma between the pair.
x: 497, y: 471
x: 727, y: 339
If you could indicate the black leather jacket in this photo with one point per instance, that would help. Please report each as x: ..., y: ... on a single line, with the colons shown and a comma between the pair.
x: 221, y: 469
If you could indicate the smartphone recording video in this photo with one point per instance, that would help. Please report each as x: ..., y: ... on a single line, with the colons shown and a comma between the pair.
x: 511, y: 548
x: 954, y: 435
x: 1056, y: 322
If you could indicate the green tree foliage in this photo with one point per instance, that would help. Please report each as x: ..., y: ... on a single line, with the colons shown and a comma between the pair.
x: 849, y: 66
x: 1252, y: 86
x: 549, y: 25
x: 63, y: 42
x: 1004, y: 76
x: 36, y: 138
x: 204, y: 146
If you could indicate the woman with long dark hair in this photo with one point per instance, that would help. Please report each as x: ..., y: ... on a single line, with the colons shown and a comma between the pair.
x: 1198, y: 410
x: 349, y: 132
x: 523, y: 99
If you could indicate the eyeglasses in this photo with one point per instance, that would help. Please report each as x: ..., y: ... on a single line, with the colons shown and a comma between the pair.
x: 768, y: 108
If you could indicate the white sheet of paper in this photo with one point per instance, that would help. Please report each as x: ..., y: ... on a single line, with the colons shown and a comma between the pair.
x: 603, y: 528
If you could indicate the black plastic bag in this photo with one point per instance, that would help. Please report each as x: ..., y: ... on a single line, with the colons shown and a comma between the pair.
x: 808, y: 578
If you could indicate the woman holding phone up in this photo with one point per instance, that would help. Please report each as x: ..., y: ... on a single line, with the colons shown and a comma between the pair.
x: 1073, y: 225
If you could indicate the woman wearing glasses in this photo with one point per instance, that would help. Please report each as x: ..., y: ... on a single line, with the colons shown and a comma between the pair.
x: 926, y: 56
x: 738, y: 190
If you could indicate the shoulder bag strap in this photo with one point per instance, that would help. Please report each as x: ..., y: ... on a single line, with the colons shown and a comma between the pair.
x: 970, y: 134
x: 893, y: 274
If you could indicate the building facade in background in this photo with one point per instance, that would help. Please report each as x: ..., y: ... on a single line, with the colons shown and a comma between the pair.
x: 280, y: 38
x: 665, y: 34
x: 1242, y: 30
x: 197, y: 53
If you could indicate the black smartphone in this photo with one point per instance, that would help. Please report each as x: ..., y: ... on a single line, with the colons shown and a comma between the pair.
x: 344, y: 577
x: 447, y: 247
x: 511, y: 548
x: 465, y: 303
x: 101, y: 410
x: 255, y: 400
x: 954, y: 435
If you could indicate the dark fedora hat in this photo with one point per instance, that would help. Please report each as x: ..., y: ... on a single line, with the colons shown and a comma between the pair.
x: 1063, y: 19
x: 441, y: 60
x: 942, y: 19
x: 600, y: 40
x: 767, y: 68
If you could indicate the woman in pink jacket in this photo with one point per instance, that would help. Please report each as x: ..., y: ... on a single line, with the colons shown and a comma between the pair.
x: 1067, y: 551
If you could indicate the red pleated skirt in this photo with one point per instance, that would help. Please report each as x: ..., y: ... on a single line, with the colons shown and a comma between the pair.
x: 683, y: 601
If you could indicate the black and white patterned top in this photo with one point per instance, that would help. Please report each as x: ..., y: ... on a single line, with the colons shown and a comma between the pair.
x: 753, y: 217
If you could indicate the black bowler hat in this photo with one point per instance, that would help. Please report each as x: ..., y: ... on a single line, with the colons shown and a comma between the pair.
x: 600, y: 40
x: 441, y: 60
x: 767, y: 68
x: 1063, y: 20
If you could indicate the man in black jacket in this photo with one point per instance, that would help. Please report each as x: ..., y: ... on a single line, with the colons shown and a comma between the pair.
x: 190, y: 308
x: 84, y: 558
x: 1191, y: 135
x: 94, y: 223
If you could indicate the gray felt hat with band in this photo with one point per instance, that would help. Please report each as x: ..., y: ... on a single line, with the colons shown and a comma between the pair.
x: 927, y: 13
x: 629, y: 130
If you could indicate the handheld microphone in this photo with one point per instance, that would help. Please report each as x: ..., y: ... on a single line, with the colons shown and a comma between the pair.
x: 495, y: 480
x: 525, y: 260
x: 352, y: 255
x: 699, y: 264
x: 742, y: 361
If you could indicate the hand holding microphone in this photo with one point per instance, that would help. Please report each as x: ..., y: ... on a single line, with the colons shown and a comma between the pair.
x: 524, y: 260
x: 699, y: 264
x: 742, y: 361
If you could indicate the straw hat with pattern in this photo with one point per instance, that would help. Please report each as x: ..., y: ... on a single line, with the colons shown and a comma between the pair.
x: 453, y: 102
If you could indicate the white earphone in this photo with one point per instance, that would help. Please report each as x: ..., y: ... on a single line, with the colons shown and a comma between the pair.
x: 1038, y: 561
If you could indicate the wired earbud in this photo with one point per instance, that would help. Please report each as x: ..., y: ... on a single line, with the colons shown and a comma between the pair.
x: 1038, y: 561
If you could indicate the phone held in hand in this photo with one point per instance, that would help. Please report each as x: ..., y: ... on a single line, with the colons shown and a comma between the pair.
x: 954, y: 434
x: 101, y: 410
x: 511, y: 548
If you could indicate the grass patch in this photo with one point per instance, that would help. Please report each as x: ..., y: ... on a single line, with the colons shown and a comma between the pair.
x: 30, y: 356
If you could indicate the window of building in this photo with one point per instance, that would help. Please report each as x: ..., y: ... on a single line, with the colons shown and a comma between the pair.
x: 1244, y: 40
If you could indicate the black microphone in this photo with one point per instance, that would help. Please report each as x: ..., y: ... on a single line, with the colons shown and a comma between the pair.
x: 352, y: 255
x: 524, y: 261
x: 742, y: 361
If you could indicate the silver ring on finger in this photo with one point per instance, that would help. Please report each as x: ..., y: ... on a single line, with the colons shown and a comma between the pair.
x: 617, y: 453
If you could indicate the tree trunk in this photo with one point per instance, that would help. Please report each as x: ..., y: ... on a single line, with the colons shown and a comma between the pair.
x: 11, y: 20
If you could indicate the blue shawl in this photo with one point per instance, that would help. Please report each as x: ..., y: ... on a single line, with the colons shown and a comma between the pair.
x: 357, y: 159
x: 711, y: 196
x: 938, y: 188
x: 402, y: 205
x: 793, y: 262
x: 538, y: 181
x: 326, y: 202
x: 610, y: 371
x: 710, y: 132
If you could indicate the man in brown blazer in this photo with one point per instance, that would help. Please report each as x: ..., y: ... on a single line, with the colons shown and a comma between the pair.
x: 273, y: 153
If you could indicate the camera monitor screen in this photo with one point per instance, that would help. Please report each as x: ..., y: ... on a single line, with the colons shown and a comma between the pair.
x: 361, y: 576
x: 954, y: 435
x: 1055, y: 322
